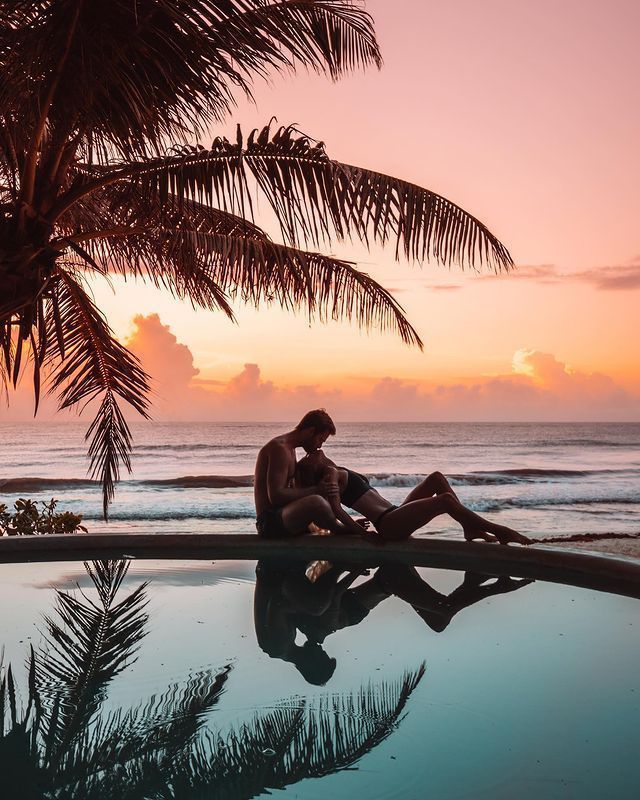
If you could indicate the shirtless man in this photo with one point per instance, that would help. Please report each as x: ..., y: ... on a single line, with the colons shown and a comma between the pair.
x: 283, y: 509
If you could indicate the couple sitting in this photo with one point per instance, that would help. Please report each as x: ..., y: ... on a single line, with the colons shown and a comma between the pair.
x: 290, y: 497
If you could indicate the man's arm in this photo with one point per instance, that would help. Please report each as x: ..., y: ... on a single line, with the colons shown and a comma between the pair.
x: 280, y: 493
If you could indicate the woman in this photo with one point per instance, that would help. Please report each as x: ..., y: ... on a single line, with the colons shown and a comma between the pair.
x: 432, y: 497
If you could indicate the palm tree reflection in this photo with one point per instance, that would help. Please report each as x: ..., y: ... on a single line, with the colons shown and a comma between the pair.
x: 64, y: 744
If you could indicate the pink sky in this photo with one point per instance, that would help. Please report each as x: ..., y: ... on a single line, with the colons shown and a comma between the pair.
x: 526, y: 114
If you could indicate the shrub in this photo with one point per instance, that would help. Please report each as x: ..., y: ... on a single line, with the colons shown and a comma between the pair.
x: 28, y: 520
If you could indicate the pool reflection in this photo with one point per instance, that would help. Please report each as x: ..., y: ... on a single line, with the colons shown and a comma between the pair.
x: 60, y: 738
x: 320, y: 599
x: 208, y: 684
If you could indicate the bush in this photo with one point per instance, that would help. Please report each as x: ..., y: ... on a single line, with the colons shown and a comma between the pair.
x: 28, y: 520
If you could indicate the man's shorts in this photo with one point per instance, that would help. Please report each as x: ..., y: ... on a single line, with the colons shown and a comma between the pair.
x: 270, y: 525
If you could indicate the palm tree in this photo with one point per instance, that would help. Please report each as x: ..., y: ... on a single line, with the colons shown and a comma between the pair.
x: 63, y: 743
x: 100, y: 103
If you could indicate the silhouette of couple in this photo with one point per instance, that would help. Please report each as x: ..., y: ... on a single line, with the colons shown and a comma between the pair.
x: 293, y: 498
x: 287, y: 601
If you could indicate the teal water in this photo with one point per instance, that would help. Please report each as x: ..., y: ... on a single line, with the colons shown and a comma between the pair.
x: 437, y: 684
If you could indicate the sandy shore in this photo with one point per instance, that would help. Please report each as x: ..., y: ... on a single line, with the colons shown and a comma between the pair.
x: 615, y: 547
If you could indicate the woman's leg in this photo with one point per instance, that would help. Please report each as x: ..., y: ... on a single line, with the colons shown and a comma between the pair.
x: 407, y: 518
x: 437, y: 484
x: 436, y: 609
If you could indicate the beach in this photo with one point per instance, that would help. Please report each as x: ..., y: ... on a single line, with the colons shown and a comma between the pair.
x: 571, y: 484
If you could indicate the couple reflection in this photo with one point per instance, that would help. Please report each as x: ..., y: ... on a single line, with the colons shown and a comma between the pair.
x: 320, y: 599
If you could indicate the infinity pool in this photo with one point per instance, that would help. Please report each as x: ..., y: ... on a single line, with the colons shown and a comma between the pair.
x: 192, y: 679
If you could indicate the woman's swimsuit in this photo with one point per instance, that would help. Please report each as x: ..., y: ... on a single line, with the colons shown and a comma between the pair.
x: 357, y: 485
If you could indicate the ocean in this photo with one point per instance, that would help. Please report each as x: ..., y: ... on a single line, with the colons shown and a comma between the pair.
x: 547, y: 480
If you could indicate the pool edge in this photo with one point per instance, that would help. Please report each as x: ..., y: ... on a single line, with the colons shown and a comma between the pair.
x: 602, y: 572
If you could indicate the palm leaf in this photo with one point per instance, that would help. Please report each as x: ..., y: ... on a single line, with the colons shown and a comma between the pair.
x: 257, y: 269
x: 314, y: 198
x: 292, y: 743
x: 66, y: 681
x: 87, y: 648
x: 323, y: 34
x: 206, y: 266
x: 126, y: 754
x: 132, y: 74
x: 88, y: 362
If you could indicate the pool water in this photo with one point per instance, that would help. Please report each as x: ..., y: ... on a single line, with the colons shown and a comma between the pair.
x: 192, y: 679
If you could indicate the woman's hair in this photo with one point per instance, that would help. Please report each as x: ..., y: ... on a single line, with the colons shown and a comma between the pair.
x: 309, y: 470
x: 319, y: 420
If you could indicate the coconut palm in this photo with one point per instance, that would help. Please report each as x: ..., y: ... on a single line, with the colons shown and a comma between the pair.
x: 101, y: 102
x: 64, y: 744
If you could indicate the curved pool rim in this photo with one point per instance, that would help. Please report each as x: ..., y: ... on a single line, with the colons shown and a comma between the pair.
x: 602, y: 572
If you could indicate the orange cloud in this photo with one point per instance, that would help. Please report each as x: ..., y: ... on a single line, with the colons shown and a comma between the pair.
x: 539, y: 387
x: 612, y: 278
x: 164, y: 358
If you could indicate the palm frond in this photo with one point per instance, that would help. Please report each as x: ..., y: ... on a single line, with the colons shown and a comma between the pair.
x: 20, y: 763
x: 132, y: 74
x: 324, y: 34
x: 294, y: 742
x: 88, y: 362
x: 127, y: 754
x: 203, y: 262
x: 257, y: 270
x: 314, y: 198
x: 6, y: 355
x: 89, y: 645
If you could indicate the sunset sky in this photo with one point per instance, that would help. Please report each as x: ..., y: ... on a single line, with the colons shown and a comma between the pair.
x: 525, y: 114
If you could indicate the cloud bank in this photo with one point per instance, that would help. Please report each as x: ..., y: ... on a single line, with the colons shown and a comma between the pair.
x: 539, y: 387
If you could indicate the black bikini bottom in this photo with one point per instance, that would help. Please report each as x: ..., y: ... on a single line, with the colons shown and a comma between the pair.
x: 384, y: 513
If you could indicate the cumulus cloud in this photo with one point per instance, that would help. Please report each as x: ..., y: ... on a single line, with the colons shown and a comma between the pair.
x: 168, y: 361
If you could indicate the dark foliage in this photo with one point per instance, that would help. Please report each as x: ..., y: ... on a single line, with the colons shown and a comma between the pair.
x: 100, y: 101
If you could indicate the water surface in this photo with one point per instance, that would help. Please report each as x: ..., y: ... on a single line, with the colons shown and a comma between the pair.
x: 396, y: 683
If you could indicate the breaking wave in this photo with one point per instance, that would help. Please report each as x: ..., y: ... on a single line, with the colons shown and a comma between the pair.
x: 502, y: 477
x: 496, y: 477
x: 17, y: 485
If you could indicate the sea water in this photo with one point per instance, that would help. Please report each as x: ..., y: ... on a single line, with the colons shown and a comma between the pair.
x: 547, y: 480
